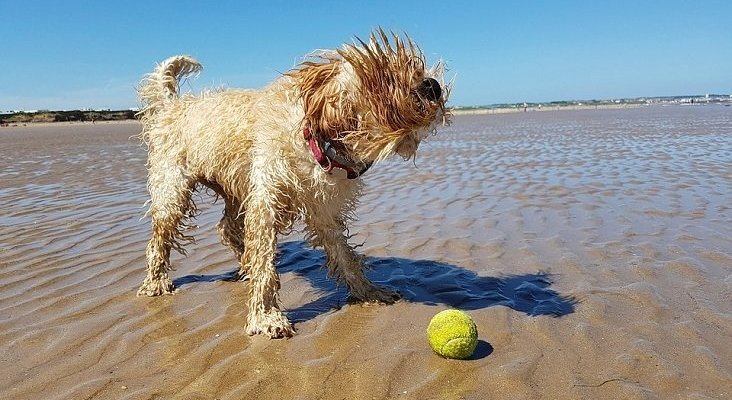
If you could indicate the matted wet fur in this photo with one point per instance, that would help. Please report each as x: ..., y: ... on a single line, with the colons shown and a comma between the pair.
x: 368, y: 99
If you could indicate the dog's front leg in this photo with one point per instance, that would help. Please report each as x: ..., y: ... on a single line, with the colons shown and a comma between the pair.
x: 260, y: 242
x: 346, y: 265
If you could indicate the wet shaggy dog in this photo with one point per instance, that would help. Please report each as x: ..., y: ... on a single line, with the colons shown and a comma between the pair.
x: 293, y: 151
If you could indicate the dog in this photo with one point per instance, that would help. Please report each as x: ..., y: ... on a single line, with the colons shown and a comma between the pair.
x: 292, y: 151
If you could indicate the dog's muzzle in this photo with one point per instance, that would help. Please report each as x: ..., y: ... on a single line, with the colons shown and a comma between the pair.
x: 430, y: 89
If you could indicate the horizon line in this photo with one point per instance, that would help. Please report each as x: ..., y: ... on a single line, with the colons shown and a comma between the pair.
x: 490, y: 105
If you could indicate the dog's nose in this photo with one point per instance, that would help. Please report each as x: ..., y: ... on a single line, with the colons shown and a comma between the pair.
x: 430, y: 89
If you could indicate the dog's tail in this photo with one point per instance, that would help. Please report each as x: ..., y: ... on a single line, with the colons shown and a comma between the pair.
x: 161, y: 85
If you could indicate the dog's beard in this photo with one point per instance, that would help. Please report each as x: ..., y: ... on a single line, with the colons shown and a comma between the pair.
x: 407, y: 148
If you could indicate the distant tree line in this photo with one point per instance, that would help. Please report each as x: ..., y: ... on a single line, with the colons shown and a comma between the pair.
x: 66, y: 116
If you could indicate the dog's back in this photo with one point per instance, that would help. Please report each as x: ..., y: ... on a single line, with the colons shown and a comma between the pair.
x: 194, y: 132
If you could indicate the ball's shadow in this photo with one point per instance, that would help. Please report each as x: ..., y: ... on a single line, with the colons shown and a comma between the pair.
x: 483, y: 350
x: 419, y: 281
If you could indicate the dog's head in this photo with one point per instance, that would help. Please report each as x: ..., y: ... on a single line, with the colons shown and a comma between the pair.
x: 377, y: 97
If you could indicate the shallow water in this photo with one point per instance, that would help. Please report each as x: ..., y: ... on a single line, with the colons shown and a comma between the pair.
x: 591, y: 247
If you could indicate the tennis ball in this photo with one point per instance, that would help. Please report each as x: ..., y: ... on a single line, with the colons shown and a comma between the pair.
x: 453, y: 334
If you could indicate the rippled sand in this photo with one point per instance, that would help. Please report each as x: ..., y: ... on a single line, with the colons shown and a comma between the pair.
x: 591, y: 247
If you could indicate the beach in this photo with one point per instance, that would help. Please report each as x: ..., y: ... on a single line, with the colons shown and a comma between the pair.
x: 591, y: 247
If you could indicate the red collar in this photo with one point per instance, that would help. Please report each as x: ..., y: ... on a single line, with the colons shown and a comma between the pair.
x: 325, y: 154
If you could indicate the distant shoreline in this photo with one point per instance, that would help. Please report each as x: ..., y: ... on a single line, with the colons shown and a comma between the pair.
x: 74, y: 116
x: 510, y: 110
x: 67, y: 123
x: 570, y: 107
x: 51, y: 118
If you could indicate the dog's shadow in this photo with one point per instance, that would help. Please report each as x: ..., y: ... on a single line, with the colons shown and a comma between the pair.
x: 420, y: 281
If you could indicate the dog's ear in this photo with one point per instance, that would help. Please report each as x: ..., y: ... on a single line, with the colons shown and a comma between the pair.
x: 327, y: 110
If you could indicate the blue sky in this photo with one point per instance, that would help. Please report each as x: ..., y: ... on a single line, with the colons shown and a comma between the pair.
x: 75, y: 54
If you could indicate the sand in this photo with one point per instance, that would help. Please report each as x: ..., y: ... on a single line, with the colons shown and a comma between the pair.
x: 592, y: 248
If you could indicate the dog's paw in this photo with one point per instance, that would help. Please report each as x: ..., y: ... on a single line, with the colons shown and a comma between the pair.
x: 273, y: 324
x: 377, y: 295
x: 156, y: 287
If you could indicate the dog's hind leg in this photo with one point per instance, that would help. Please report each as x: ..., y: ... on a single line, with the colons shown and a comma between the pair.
x: 231, y: 226
x: 231, y: 229
x: 345, y: 264
x: 260, y: 237
x: 170, y: 193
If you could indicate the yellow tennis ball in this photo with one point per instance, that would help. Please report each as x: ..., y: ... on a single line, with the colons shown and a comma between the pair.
x: 453, y: 334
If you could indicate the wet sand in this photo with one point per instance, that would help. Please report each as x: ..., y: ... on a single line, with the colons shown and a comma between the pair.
x: 592, y: 248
